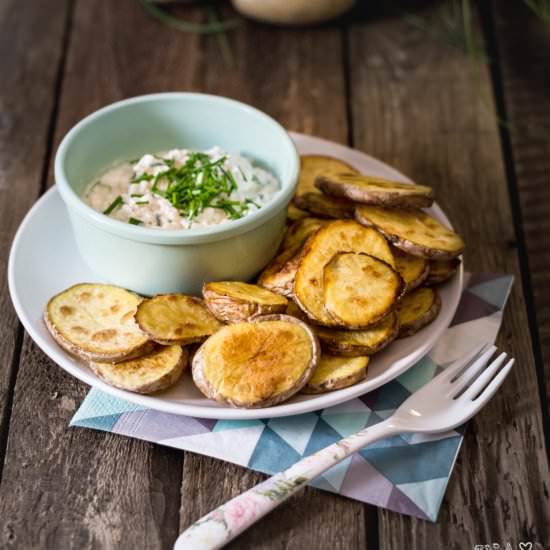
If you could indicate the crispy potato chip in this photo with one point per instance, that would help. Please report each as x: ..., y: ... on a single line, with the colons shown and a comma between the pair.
x: 359, y: 290
x: 413, y: 270
x: 309, y: 198
x: 96, y: 322
x: 417, y: 309
x: 298, y: 232
x: 334, y: 237
x: 293, y: 213
x: 279, y: 275
x: 334, y: 373
x: 234, y: 302
x: 256, y: 364
x: 355, y: 343
x: 441, y: 270
x: 176, y: 319
x: 414, y: 232
x: 156, y: 371
x: 375, y: 191
x: 327, y: 207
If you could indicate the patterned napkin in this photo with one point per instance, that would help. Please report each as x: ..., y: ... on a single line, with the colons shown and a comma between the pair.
x: 407, y: 473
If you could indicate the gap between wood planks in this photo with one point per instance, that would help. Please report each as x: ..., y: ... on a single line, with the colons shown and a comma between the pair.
x: 5, y: 425
x: 488, y: 26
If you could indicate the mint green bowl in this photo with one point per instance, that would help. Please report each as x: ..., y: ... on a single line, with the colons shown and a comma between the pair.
x: 151, y: 261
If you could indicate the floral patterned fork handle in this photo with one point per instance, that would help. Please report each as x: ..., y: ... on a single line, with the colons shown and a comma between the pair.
x: 229, y: 520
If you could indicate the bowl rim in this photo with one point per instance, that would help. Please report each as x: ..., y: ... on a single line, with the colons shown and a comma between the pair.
x: 174, y: 236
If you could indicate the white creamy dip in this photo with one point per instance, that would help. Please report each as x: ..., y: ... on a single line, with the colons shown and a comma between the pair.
x: 178, y: 190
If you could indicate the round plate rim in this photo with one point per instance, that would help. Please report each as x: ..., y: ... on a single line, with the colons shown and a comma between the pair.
x: 317, y: 402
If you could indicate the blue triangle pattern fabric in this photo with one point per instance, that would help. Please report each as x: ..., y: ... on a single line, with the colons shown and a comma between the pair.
x: 405, y: 473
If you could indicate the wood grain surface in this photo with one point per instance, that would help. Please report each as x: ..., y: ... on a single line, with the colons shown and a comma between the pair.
x: 522, y: 43
x: 374, y: 81
x: 34, y: 37
x: 408, y: 85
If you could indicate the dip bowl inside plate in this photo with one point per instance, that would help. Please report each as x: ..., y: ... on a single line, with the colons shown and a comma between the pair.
x: 151, y: 261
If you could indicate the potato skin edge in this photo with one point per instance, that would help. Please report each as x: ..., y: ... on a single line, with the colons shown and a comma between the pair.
x: 203, y: 385
x: 332, y: 384
x: 423, y: 321
x: 372, y: 197
x: 163, y: 383
x: 76, y: 351
x: 408, y: 246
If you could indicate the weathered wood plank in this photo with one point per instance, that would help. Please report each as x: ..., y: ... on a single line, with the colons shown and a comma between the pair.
x: 427, y: 110
x: 523, y: 43
x: 27, y: 99
x: 297, y: 77
x: 74, y: 488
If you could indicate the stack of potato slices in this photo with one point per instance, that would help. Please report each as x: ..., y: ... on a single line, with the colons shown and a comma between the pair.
x: 356, y: 270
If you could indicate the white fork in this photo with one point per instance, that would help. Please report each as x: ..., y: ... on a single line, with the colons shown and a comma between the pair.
x: 447, y: 401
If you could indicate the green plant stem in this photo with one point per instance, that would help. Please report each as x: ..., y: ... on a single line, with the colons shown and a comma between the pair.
x: 213, y: 27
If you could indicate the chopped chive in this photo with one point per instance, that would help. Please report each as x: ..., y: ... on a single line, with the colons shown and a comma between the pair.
x: 134, y: 221
x: 136, y: 195
x: 157, y: 218
x: 243, y: 174
x: 142, y: 202
x: 115, y: 204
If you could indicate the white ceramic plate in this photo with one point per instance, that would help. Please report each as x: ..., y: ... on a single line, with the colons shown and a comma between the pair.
x: 44, y: 260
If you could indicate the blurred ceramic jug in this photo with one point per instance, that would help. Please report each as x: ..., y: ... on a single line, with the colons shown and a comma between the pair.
x: 293, y: 12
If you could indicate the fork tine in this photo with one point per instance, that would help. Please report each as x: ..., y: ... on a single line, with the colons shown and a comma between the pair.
x: 450, y: 372
x: 484, y: 378
x: 473, y: 370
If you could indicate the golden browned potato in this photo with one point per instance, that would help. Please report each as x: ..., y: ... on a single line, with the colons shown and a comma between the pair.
x: 334, y: 373
x: 309, y: 198
x: 375, y: 191
x: 96, y: 322
x: 176, y: 319
x: 441, y: 270
x: 158, y: 370
x: 355, y: 343
x: 413, y: 270
x: 279, y: 275
x: 294, y: 213
x: 298, y: 232
x: 417, y: 309
x: 413, y: 231
x: 256, y: 364
x: 233, y: 302
x: 334, y: 237
x: 360, y: 290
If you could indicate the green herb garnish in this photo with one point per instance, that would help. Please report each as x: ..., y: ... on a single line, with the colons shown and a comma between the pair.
x: 198, y: 184
x: 136, y: 195
x: 134, y: 221
x: 115, y: 204
x: 142, y: 202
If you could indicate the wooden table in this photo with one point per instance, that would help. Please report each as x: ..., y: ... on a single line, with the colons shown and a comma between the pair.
x: 479, y: 133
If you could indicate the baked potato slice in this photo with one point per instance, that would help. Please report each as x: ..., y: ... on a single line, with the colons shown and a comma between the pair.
x: 96, y: 322
x: 234, y: 302
x: 320, y: 248
x: 155, y: 371
x: 308, y: 197
x: 355, y: 343
x: 256, y: 364
x: 176, y: 319
x: 413, y: 231
x: 293, y: 213
x: 417, y: 309
x: 440, y: 271
x: 375, y: 191
x: 279, y: 275
x: 360, y: 290
x: 327, y: 207
x: 298, y: 232
x: 334, y: 373
x: 413, y: 270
